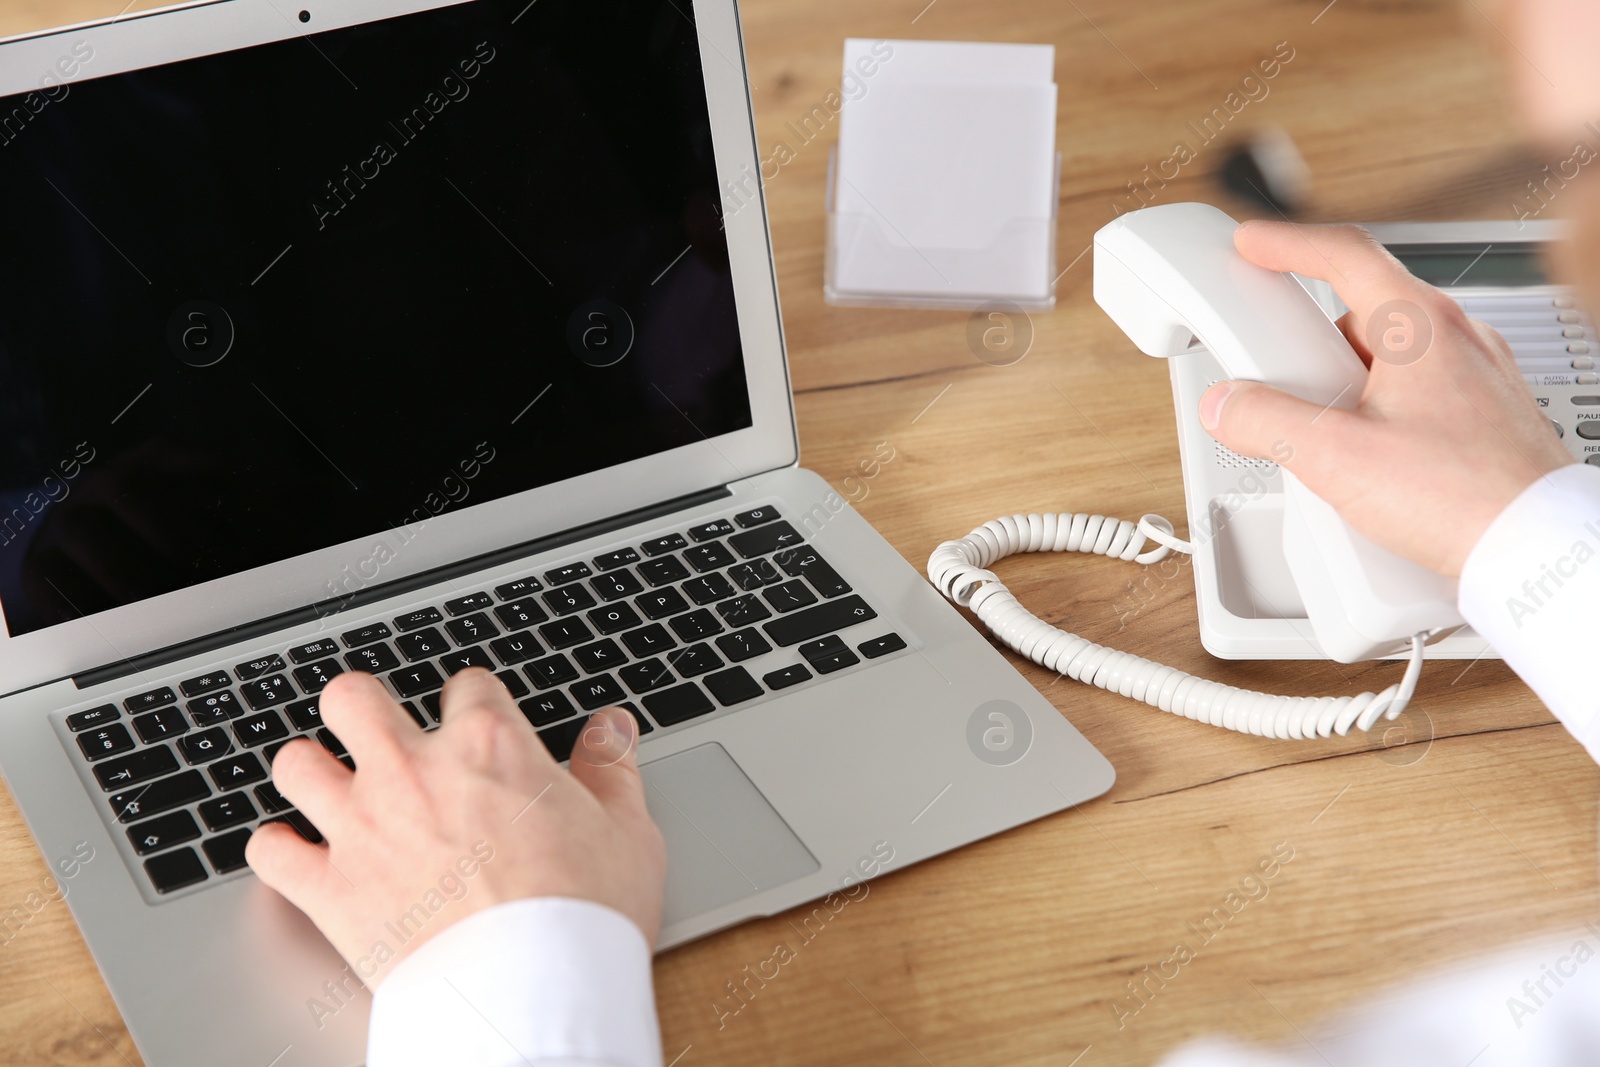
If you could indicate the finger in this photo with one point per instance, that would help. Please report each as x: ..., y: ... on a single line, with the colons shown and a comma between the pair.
x: 1349, y: 258
x: 293, y: 866
x: 366, y: 719
x: 1258, y: 420
x: 313, y: 781
x: 477, y: 712
x: 604, y: 760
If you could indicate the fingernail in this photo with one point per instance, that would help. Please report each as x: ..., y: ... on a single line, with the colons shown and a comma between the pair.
x: 621, y: 724
x: 1211, y: 403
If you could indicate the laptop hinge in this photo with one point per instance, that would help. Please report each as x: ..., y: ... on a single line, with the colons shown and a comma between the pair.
x: 340, y: 605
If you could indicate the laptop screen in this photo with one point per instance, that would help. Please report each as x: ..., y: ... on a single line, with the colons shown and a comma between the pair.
x: 263, y: 302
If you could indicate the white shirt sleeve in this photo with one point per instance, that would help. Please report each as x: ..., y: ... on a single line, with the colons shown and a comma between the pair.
x: 1531, y: 588
x: 546, y: 982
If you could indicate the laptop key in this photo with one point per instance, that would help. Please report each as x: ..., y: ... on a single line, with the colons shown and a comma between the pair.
x: 365, y: 635
x: 546, y: 708
x: 648, y: 641
x: 138, y: 767
x: 708, y: 589
x: 267, y: 692
x: 160, y: 725
x: 518, y: 589
x: 755, y: 574
x: 882, y: 646
x: 259, y: 729
x: 373, y: 659
x: 678, y: 704
x: 205, y: 683
x: 514, y: 684
x: 743, y: 644
x: 660, y: 546
x: 711, y: 530
x: 695, y: 625
x: 743, y: 611
x: 330, y: 741
x: 696, y: 659
x: 433, y: 704
x: 600, y: 656
x: 416, y: 679
x: 226, y: 853
x: 520, y: 614
x: 153, y: 699
x: 313, y: 678
x: 616, y: 585
x: 783, y: 679
x: 516, y: 648
x: 610, y: 561
x: 466, y: 605
x: 790, y: 596
x: 222, y: 812
x: 614, y: 618
x: 645, y: 725
x: 570, y: 573
x: 205, y: 746
x: 598, y: 692
x: 237, y: 771
x: 272, y: 801
x: 304, y: 714
x: 315, y: 650
x: 82, y: 720
x: 107, y: 741
x: 550, y: 671
x: 471, y: 630
x: 825, y: 618
x: 568, y: 599
x: 661, y: 603
x: 646, y: 676
x: 564, y: 633
x: 216, y: 708
x: 828, y: 654
x: 172, y: 871
x: 299, y: 823
x: 257, y: 667
x: 756, y: 517
x: 561, y: 739
x: 765, y: 539
x: 416, y: 620
x: 424, y: 644
x: 163, y: 831
x: 663, y: 571
x: 710, y: 557
x: 732, y: 686
x: 805, y: 563
x: 456, y: 662
x: 164, y: 794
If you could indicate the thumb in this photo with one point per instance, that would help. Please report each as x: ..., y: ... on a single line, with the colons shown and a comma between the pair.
x: 603, y: 759
x: 1258, y: 420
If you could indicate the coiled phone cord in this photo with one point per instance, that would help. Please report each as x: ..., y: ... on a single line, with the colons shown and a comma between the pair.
x: 959, y: 569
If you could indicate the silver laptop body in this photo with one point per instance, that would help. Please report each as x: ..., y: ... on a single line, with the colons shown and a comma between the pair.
x: 881, y: 729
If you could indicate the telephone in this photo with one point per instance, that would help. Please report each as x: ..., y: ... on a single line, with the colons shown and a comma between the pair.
x: 1171, y: 278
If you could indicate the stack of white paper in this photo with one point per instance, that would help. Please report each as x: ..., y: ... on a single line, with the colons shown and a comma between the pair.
x: 945, y: 184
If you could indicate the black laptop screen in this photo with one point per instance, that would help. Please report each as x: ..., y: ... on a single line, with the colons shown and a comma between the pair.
x: 264, y: 302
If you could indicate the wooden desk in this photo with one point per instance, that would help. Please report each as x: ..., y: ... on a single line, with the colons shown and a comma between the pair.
x: 1406, y: 858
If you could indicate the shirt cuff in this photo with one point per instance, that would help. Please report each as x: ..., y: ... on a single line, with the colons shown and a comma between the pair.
x: 1531, y: 588
x: 537, y: 982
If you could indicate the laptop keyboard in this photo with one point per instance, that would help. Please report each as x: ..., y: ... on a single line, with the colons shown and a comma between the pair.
x: 668, y: 629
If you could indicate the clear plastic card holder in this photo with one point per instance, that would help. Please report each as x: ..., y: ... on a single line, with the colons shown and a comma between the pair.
x: 869, y: 264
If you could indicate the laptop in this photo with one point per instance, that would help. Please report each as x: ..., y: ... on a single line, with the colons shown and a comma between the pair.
x: 403, y: 336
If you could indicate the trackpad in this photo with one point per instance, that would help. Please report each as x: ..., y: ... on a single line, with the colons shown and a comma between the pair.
x: 724, y: 841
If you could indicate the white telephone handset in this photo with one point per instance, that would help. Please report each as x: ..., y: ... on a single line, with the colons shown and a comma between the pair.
x: 1171, y: 278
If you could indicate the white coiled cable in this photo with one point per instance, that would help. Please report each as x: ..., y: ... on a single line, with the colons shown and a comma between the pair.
x: 959, y: 569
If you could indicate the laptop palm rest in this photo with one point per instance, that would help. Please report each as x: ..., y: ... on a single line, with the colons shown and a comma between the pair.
x: 724, y: 841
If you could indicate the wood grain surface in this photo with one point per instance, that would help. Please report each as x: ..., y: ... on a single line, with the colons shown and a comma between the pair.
x: 1470, y: 825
